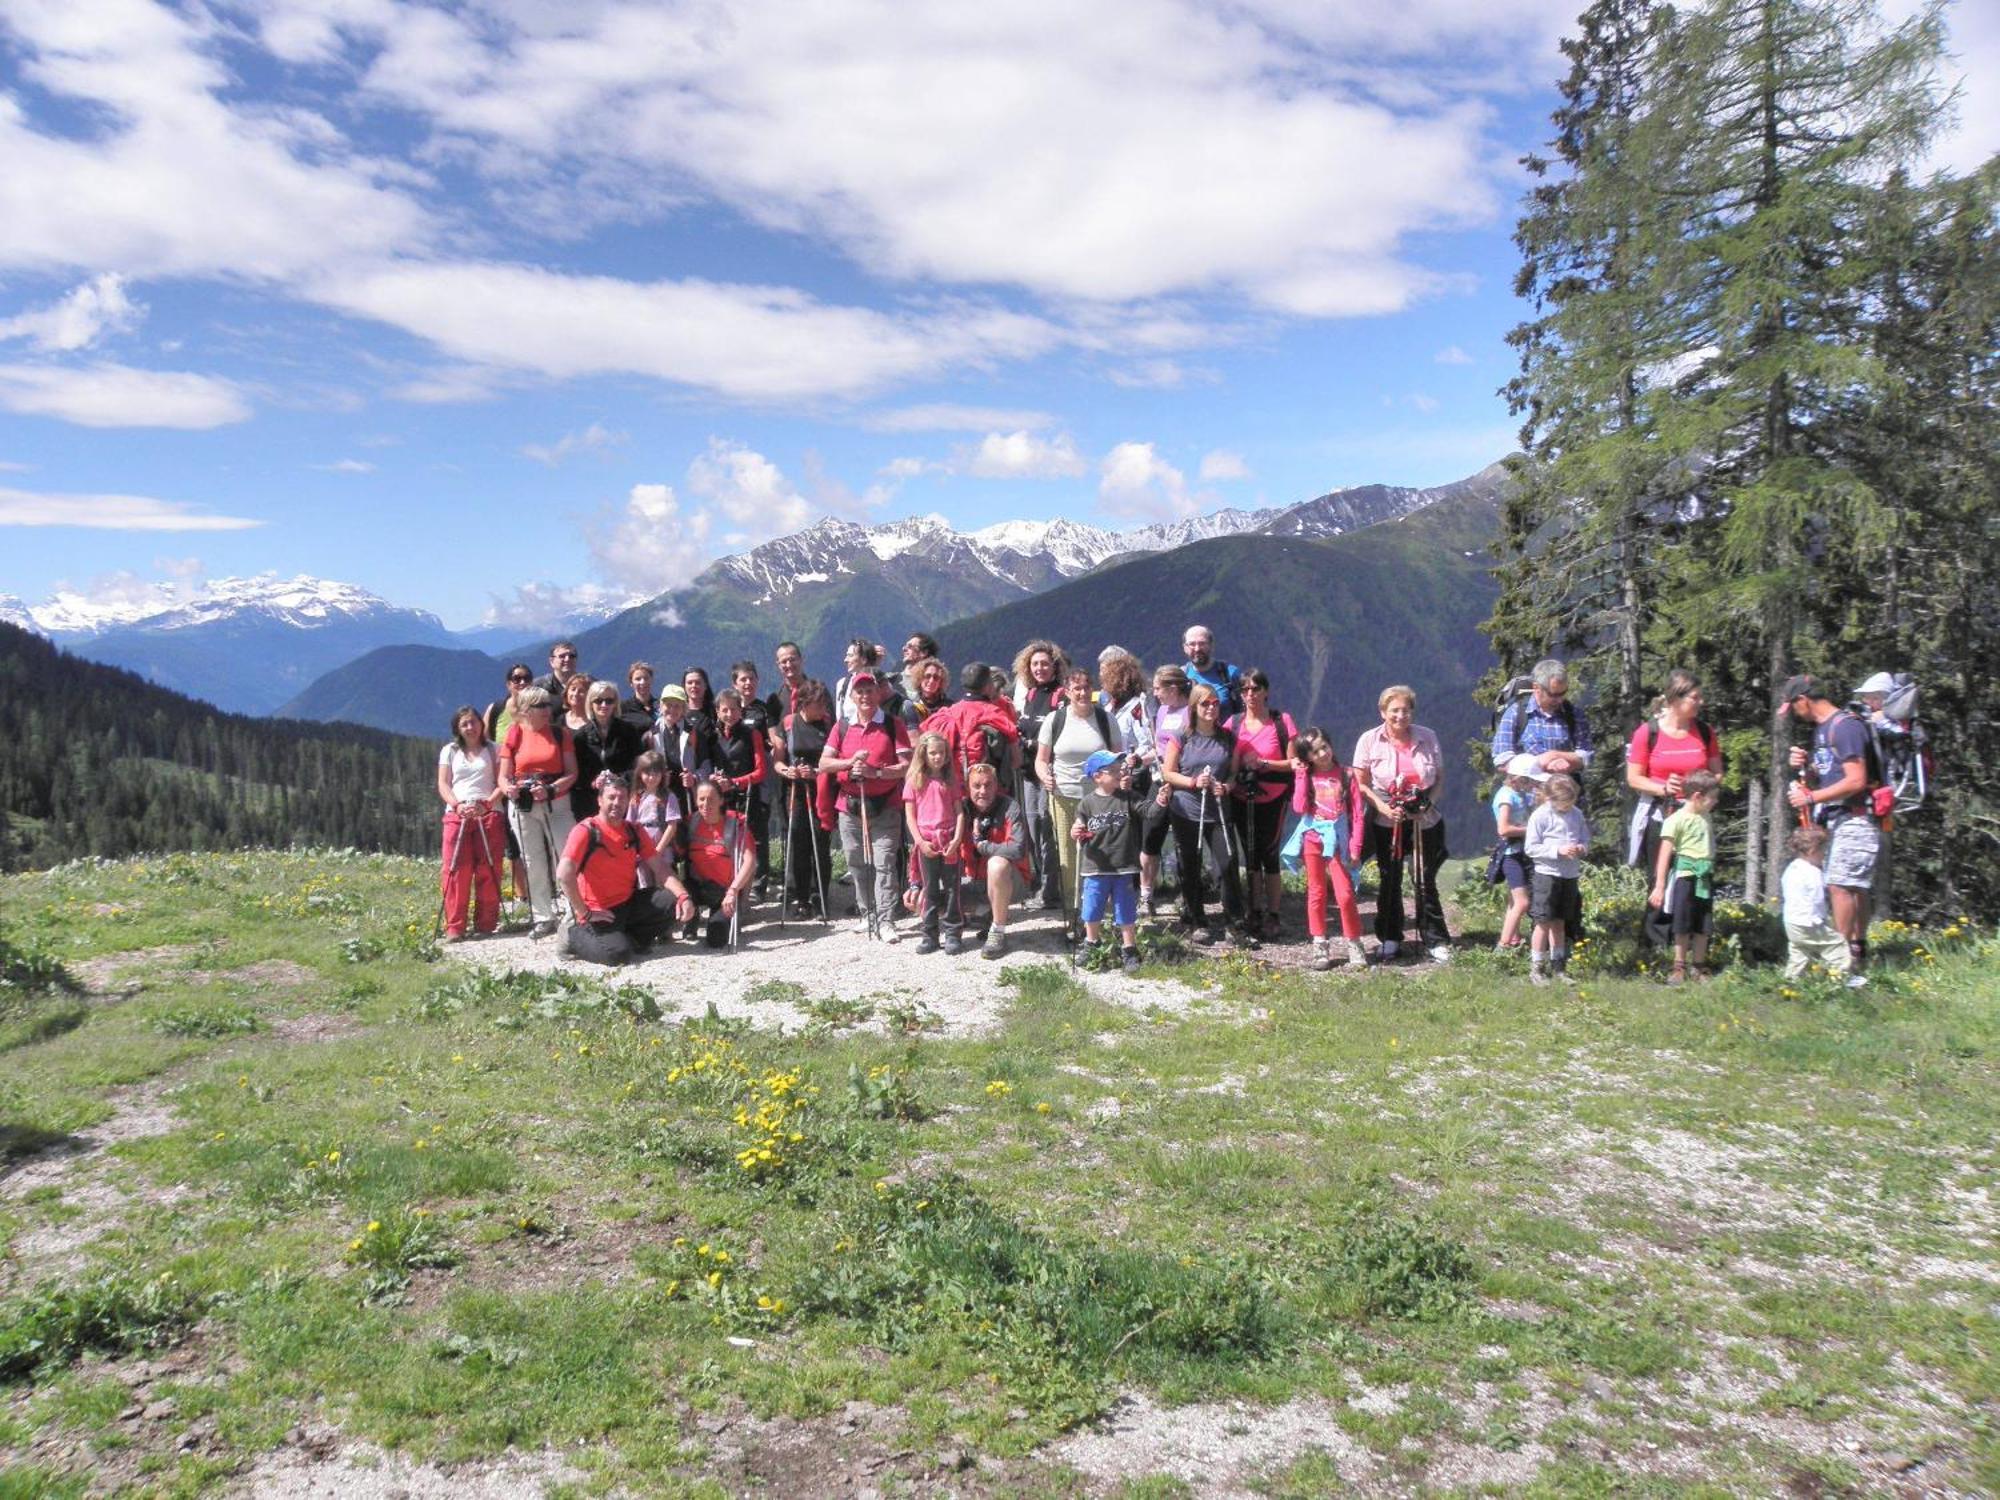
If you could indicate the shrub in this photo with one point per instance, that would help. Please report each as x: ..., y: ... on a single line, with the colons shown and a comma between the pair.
x: 117, y: 1312
x: 207, y: 1021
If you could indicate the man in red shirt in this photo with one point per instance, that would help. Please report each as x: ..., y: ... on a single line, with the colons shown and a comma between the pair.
x: 612, y: 921
x: 865, y: 760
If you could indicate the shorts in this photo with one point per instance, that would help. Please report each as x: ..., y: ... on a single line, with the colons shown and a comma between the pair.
x: 1851, y: 853
x: 1556, y: 898
x: 1514, y: 869
x: 1119, y: 892
x: 1689, y: 915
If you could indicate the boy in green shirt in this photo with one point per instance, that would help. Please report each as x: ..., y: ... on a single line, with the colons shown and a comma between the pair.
x: 1681, y: 887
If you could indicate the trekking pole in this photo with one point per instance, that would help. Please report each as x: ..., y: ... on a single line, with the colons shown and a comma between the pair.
x: 1417, y: 876
x: 868, y: 859
x: 791, y: 812
x: 1076, y: 901
x: 444, y: 881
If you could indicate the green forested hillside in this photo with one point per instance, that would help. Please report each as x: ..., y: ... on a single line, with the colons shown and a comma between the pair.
x: 96, y: 761
x: 1334, y: 622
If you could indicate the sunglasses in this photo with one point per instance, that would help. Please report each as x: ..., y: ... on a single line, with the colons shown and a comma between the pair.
x: 517, y: 681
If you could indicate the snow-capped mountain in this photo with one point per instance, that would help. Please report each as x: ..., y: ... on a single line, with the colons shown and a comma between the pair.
x: 1033, y: 555
x: 245, y: 644
x: 14, y: 611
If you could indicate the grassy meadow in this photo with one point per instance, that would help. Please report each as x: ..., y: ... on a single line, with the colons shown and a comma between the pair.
x: 276, y: 1179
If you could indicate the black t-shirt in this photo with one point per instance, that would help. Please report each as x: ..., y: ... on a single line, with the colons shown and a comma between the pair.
x: 1840, y: 739
x: 1115, y: 834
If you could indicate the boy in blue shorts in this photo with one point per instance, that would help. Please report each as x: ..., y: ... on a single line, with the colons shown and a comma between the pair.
x: 1108, y: 835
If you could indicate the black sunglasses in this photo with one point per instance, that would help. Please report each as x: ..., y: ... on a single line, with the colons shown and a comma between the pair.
x: 519, y: 680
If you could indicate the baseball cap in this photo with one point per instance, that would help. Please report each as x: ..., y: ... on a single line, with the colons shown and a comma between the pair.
x: 674, y: 693
x: 1797, y: 686
x: 1099, y: 760
x: 1881, y: 682
x: 861, y: 678
x: 1528, y: 766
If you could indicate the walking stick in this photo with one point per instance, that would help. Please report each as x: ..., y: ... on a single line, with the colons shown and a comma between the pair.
x: 1076, y: 906
x: 791, y: 813
x: 1417, y: 877
x: 444, y: 878
x: 868, y: 858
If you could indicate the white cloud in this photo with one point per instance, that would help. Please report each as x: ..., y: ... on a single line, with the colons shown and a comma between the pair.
x: 1423, y: 403
x: 1020, y: 455
x: 592, y: 439
x: 670, y: 617
x: 185, y: 570
x: 649, y: 545
x: 108, y: 395
x: 1451, y: 354
x: 345, y: 466
x: 1221, y: 464
x: 111, y: 513
x: 751, y: 491
x: 541, y: 606
x: 946, y: 417
x: 1161, y: 375
x: 170, y: 179
x: 905, y: 468
x: 96, y: 308
x: 941, y: 143
x: 745, y: 342
x: 1134, y: 481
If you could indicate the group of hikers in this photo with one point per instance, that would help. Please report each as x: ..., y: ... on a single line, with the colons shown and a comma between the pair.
x: 641, y: 813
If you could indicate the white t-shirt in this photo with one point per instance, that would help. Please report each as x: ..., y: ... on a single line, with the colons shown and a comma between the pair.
x: 475, y: 777
x: 1804, y: 888
x: 1079, y: 742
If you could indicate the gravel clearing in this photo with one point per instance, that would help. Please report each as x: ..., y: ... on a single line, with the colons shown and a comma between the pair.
x: 840, y: 961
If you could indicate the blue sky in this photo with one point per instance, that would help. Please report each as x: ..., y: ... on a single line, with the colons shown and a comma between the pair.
x: 499, y: 306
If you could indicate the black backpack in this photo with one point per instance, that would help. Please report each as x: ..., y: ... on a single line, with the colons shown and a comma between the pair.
x: 1098, y: 716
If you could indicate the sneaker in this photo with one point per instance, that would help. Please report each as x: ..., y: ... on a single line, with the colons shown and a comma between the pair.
x: 953, y: 945
x: 1390, y: 948
x: 1857, y: 981
x: 1322, y: 955
x: 1357, y: 959
x: 996, y: 943
x: 1128, y: 960
x: 1246, y: 939
x: 888, y: 933
x: 454, y: 937
x: 1079, y: 955
x: 1441, y: 953
x: 1208, y: 937
x: 864, y: 925
x: 543, y: 929
x: 927, y: 944
x: 1539, y: 977
x: 1253, y: 925
x: 1150, y: 899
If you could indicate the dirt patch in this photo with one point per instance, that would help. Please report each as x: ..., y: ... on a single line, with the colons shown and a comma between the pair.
x: 315, y: 1028
x: 318, y: 1464
x: 1217, y: 1448
x: 106, y: 977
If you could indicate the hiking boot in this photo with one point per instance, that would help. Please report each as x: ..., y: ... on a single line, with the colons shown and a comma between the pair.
x: 887, y: 933
x: 1208, y: 937
x: 1079, y: 956
x: 1441, y: 953
x: 928, y: 943
x: 1252, y: 925
x: 953, y: 945
x: 1245, y: 938
x: 1322, y: 954
x: 1357, y: 959
x: 996, y: 943
x: 1389, y: 950
x: 1539, y: 977
x: 543, y: 929
x: 1128, y: 960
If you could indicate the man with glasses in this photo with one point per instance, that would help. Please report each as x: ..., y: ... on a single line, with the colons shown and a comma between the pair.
x: 1545, y: 724
x: 562, y: 667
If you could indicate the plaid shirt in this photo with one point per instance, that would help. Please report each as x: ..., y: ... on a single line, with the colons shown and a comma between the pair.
x: 1540, y: 732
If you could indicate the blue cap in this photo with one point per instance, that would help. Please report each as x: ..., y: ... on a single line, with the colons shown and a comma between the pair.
x: 1100, y: 760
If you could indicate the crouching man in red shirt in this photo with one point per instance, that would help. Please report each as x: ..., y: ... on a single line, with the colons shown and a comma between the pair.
x: 612, y: 921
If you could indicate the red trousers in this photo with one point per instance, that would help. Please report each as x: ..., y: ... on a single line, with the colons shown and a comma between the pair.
x: 1320, y: 873
x: 475, y: 845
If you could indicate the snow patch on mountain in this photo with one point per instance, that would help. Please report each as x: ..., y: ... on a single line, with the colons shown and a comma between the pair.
x: 14, y: 611
x: 303, y: 602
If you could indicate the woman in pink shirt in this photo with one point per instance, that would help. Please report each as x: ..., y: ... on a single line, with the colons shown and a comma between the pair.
x: 1665, y: 750
x: 1262, y: 772
x: 1401, y: 770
